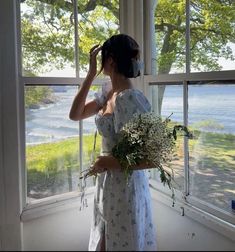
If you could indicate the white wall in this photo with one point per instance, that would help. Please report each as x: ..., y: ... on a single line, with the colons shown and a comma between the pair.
x: 181, y: 233
x: 62, y: 231
x: 69, y: 230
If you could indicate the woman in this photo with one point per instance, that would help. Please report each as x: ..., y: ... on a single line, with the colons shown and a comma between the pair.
x: 122, y: 212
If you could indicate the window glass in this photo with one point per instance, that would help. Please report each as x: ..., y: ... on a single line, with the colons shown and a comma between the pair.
x: 212, y: 151
x: 167, y: 101
x: 97, y: 21
x: 52, y: 141
x: 212, y: 35
x: 170, y: 27
x: 47, y: 35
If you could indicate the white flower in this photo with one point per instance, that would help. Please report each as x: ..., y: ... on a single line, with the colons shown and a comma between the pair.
x: 146, y: 137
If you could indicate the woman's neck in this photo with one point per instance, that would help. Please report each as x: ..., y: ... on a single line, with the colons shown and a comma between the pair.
x: 120, y: 82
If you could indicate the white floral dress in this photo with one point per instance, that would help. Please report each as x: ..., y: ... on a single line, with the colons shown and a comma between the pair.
x: 122, y: 212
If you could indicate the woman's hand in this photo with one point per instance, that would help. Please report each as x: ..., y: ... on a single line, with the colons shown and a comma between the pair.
x: 93, y: 60
x: 104, y: 163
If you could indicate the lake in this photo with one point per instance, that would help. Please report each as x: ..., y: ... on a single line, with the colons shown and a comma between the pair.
x: 211, y: 108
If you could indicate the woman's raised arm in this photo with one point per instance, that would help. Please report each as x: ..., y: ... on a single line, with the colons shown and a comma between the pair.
x: 80, y: 109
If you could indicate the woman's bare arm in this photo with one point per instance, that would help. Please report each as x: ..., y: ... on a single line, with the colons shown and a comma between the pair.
x: 104, y: 163
x: 80, y: 109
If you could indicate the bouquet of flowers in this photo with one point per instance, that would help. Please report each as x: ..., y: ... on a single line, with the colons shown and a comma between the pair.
x: 150, y: 139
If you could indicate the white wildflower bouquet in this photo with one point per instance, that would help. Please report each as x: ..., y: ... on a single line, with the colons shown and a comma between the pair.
x: 147, y: 139
x: 150, y: 139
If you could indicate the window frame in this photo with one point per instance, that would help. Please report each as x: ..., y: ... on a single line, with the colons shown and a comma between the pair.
x: 147, y: 79
x: 30, y: 210
x: 186, y: 79
x: 184, y: 196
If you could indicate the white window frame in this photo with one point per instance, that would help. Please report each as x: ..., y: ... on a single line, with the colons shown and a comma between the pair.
x: 149, y: 77
x: 44, y: 206
x: 186, y: 79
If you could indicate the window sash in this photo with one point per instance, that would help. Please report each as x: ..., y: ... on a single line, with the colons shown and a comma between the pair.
x: 148, y: 80
x: 179, y: 79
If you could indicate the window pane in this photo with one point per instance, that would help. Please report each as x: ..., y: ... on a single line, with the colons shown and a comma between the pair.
x: 168, y: 99
x: 212, y: 152
x: 212, y: 35
x: 52, y: 141
x: 48, y: 38
x: 170, y: 30
x: 97, y: 22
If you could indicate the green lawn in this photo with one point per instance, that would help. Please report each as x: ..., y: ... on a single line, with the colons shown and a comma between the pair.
x: 56, y: 165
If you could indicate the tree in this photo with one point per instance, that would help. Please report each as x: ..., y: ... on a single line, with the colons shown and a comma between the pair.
x: 48, y: 33
x: 212, y: 28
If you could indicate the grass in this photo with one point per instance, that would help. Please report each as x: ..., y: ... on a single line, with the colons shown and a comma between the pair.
x: 59, y: 155
x: 54, y: 167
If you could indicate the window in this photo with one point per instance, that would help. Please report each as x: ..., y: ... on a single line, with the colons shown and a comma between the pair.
x: 210, y: 27
x: 212, y: 152
x: 195, y: 48
x: 212, y: 46
x: 171, y: 105
x: 170, y: 27
x: 56, y: 37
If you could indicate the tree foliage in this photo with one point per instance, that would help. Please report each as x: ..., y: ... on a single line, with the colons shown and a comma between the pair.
x: 48, y: 33
x: 37, y: 95
x: 212, y: 28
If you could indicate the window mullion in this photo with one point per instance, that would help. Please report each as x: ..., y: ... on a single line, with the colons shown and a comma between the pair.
x: 187, y: 34
x: 80, y: 148
x: 76, y: 38
x: 186, y: 149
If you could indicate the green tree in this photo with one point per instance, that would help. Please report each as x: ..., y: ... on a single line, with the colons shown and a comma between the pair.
x: 37, y: 95
x: 48, y: 33
x: 212, y: 28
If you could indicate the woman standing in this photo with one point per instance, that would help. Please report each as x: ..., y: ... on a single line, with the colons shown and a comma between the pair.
x: 122, y: 218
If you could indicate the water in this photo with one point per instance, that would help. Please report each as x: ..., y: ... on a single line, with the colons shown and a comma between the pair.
x: 51, y: 122
x: 211, y: 108
x: 215, y: 104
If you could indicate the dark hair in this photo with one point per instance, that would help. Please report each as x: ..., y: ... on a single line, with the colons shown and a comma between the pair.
x: 124, y: 50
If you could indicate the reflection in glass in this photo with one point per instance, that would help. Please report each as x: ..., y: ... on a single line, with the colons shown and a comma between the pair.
x: 48, y: 47
x: 212, y: 152
x: 170, y: 30
x: 212, y: 35
x: 165, y: 101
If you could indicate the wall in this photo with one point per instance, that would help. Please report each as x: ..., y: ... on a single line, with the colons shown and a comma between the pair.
x: 69, y: 230
x: 62, y: 231
x: 181, y: 233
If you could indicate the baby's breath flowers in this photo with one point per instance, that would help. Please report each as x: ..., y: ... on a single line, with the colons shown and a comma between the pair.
x: 150, y: 139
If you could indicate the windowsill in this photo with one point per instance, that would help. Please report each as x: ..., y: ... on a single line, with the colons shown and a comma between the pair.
x: 68, y: 201
x: 186, y: 209
x: 50, y: 205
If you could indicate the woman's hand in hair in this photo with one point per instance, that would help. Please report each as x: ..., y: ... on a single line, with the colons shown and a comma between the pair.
x: 93, y: 60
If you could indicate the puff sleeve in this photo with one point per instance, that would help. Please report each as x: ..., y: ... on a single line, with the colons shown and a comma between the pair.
x: 127, y: 104
x: 102, y: 96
